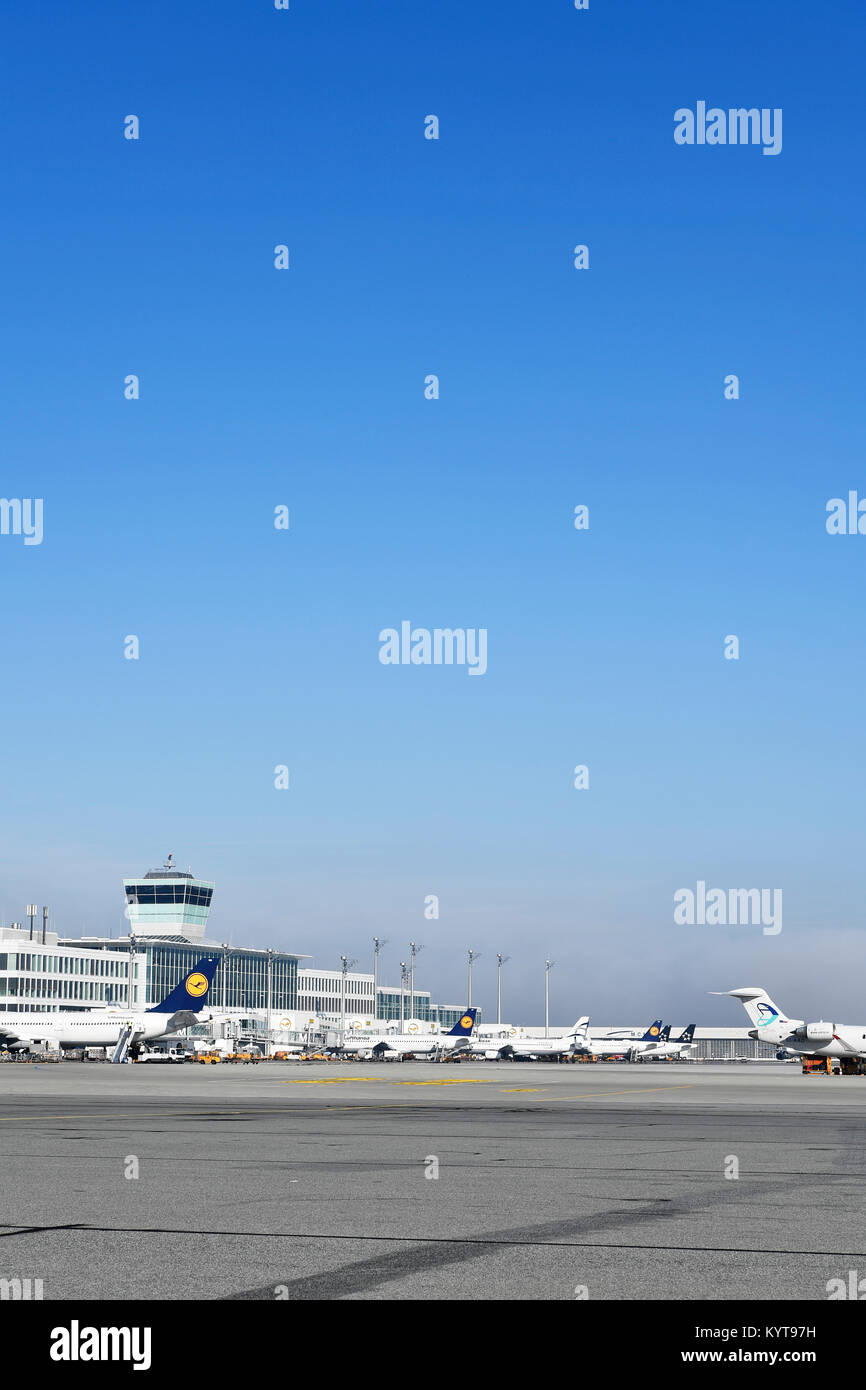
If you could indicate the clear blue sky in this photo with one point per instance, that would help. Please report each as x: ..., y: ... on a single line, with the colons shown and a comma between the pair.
x: 558, y: 387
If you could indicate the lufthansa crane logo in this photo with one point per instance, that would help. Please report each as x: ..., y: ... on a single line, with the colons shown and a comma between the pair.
x: 654, y: 1032
x: 466, y: 1021
x: 196, y: 984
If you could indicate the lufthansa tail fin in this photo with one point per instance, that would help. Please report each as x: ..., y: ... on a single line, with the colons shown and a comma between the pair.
x: 652, y: 1033
x: 688, y: 1033
x: 464, y: 1025
x: 664, y: 1035
x: 192, y: 992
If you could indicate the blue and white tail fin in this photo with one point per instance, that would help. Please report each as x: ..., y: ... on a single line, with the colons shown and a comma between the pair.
x: 192, y: 992
x: 579, y: 1029
x: 665, y: 1034
x: 464, y: 1025
x: 762, y: 1012
x: 652, y: 1033
x: 688, y: 1033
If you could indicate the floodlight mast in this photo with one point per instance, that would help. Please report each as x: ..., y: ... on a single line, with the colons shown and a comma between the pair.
x: 548, y: 966
x: 500, y: 961
x: 345, y: 967
x: 377, y: 946
x: 471, y: 957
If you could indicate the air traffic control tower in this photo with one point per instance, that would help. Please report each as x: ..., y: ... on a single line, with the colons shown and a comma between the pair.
x: 168, y: 904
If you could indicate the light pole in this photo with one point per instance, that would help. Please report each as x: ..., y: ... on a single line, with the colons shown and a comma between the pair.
x: 129, y: 999
x: 32, y: 910
x: 500, y: 961
x: 548, y: 965
x: 270, y: 1001
x: 414, y: 948
x: 402, y: 996
x: 345, y: 966
x: 471, y: 956
x: 377, y: 946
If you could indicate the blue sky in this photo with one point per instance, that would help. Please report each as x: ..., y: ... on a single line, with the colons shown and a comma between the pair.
x: 558, y: 387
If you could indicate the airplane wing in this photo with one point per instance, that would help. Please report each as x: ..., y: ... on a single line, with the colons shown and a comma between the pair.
x: 184, y: 1018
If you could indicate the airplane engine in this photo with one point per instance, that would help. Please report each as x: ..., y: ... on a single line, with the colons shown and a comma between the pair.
x: 775, y: 1033
x: 819, y: 1033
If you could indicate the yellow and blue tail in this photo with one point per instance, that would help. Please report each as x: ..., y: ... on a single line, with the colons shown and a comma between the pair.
x: 464, y: 1025
x: 192, y: 992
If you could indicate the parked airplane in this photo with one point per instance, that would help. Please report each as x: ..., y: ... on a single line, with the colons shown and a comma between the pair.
x: 104, y: 1027
x: 665, y: 1048
x: 622, y: 1047
x: 542, y: 1047
x: 626, y: 1034
x: 794, y: 1035
x: 419, y: 1044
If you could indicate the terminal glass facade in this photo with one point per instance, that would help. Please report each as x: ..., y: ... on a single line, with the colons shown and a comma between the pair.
x: 241, y: 980
x: 389, y: 1004
x: 36, y: 980
x: 320, y: 993
x: 446, y: 1015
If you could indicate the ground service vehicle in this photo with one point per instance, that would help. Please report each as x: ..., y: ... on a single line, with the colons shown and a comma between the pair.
x: 817, y: 1064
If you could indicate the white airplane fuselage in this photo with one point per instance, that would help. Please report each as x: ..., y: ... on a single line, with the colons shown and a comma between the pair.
x: 89, y: 1028
x: 609, y: 1047
x: 819, y: 1039
x: 847, y: 1041
x: 420, y: 1044
x: 664, y: 1050
x: 544, y: 1047
x: 561, y: 1046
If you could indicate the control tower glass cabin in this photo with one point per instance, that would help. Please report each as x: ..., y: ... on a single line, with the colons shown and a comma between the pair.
x: 168, y: 903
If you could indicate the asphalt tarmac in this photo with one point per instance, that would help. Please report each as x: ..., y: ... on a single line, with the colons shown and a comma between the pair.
x: 310, y: 1181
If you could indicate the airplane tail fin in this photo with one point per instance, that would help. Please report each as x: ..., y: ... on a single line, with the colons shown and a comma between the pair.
x: 652, y: 1033
x: 192, y: 992
x: 464, y: 1025
x: 664, y: 1035
x: 580, y: 1027
x: 688, y: 1033
x: 759, y: 1006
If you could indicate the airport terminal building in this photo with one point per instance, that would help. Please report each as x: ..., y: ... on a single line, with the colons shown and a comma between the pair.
x: 168, y: 913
